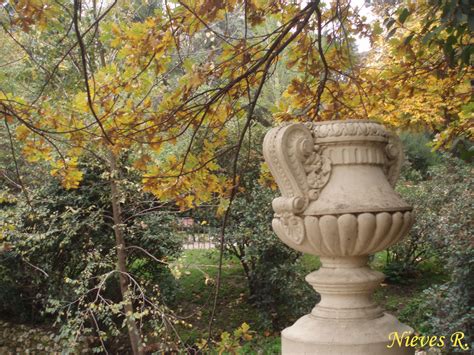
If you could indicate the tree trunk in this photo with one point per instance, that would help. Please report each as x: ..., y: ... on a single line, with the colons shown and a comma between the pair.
x: 133, y: 331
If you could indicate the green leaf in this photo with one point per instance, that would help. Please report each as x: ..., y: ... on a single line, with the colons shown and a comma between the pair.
x: 407, y: 40
x: 451, y: 40
x: 466, y: 54
x: 390, y: 23
x: 376, y: 28
x: 449, y: 53
x: 403, y: 16
x: 391, y: 33
x: 432, y: 34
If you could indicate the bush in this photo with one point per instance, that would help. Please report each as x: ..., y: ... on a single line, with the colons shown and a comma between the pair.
x: 443, y: 231
x: 51, y: 237
x: 452, y: 302
x: 434, y: 199
x: 61, y: 253
x: 275, y: 283
x: 418, y: 154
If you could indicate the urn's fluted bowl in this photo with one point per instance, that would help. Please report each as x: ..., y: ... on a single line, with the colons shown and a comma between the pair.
x: 347, y: 234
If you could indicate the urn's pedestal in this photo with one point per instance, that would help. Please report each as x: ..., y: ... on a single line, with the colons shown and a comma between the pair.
x: 346, y: 321
x: 312, y: 335
x: 338, y: 202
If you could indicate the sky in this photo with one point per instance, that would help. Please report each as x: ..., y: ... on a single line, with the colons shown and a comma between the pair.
x: 363, y: 44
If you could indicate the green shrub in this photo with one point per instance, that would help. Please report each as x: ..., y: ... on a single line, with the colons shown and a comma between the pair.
x: 417, y: 314
x: 61, y: 259
x: 452, y: 302
x: 439, y: 196
x: 418, y: 154
x: 442, y: 232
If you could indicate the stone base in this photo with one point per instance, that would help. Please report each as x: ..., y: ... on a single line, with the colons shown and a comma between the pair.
x: 319, y: 336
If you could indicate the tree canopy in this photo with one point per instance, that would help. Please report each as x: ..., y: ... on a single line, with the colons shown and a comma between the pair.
x: 170, y: 82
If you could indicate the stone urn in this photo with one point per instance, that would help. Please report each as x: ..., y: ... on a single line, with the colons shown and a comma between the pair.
x: 336, y: 179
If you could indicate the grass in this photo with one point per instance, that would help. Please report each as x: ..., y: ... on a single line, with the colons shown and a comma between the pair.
x: 268, y: 346
x: 196, y: 291
x: 309, y: 263
x: 198, y: 270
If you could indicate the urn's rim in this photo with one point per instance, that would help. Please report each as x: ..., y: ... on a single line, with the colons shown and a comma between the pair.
x: 350, y: 120
x: 349, y: 130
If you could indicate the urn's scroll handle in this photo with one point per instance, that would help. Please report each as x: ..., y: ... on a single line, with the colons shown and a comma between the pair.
x: 286, y: 149
x: 395, y: 158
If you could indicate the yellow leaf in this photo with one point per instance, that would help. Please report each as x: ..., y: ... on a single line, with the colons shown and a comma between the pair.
x: 223, y: 205
x: 22, y: 132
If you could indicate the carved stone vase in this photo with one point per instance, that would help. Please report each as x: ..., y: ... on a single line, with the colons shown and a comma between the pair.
x: 336, y: 179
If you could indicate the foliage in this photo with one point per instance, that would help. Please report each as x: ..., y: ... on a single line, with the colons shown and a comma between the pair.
x: 431, y: 94
x: 231, y: 343
x: 53, y: 235
x: 434, y: 201
x: 444, y: 26
x: 451, y: 302
x: 60, y: 260
x: 265, y: 345
x: 442, y: 232
x: 140, y: 88
x: 446, y: 307
x: 418, y: 155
